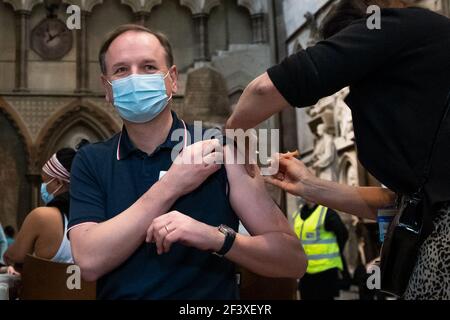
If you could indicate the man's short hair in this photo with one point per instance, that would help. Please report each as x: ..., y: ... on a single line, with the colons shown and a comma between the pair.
x: 138, y: 28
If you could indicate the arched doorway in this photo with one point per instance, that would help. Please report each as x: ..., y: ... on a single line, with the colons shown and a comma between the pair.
x: 68, y: 128
x: 14, y: 186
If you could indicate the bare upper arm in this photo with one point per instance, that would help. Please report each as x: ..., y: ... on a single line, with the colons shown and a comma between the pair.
x: 35, y: 223
x: 77, y: 232
x: 257, y: 210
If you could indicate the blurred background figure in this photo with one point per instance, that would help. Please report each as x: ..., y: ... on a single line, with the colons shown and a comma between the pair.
x: 323, y: 235
x: 3, y: 245
x: 43, y: 233
x: 10, y: 233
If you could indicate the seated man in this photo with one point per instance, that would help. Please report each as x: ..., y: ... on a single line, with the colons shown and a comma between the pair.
x: 146, y: 227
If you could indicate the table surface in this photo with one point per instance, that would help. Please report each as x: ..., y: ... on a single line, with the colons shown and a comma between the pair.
x: 8, y: 278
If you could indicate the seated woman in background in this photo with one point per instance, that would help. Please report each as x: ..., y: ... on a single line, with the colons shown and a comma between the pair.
x: 10, y: 233
x: 43, y: 232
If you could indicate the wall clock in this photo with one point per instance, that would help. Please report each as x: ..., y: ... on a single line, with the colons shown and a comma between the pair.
x: 51, y: 39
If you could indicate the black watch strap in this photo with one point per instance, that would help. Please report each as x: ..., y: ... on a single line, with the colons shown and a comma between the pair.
x: 230, y: 236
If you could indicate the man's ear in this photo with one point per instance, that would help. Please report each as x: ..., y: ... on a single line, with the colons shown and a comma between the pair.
x: 173, y: 74
x: 108, y: 89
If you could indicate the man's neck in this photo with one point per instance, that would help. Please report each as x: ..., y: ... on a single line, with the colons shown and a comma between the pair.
x: 149, y: 136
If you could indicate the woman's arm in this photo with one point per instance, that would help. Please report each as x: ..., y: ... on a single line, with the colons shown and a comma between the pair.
x: 259, y: 101
x: 26, y: 238
x: 295, y: 178
x: 323, y: 69
x: 362, y: 202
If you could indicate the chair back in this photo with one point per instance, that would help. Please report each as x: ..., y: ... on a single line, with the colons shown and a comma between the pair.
x: 47, y: 280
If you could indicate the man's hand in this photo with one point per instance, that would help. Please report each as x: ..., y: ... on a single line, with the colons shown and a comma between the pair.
x: 292, y: 174
x: 176, y: 227
x: 295, y: 178
x: 193, y: 166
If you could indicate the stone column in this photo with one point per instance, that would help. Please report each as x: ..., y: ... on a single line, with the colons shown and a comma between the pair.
x: 259, y: 28
x: 23, y: 11
x: 258, y: 10
x: 35, y: 182
x: 81, y: 36
x: 446, y: 7
x: 141, y: 17
x: 202, y: 53
x: 22, y: 47
x: 82, y: 55
x: 200, y: 10
x: 141, y: 9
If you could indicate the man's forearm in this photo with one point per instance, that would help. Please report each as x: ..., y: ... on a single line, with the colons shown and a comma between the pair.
x: 276, y: 255
x: 259, y: 101
x: 359, y: 201
x: 103, y: 247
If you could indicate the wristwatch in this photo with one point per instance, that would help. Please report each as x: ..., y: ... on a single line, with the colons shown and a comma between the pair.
x: 230, y: 236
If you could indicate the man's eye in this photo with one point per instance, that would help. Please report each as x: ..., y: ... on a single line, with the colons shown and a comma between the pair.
x: 150, y: 68
x: 120, y: 70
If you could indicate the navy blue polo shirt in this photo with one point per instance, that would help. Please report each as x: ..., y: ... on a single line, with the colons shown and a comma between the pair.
x: 108, y: 177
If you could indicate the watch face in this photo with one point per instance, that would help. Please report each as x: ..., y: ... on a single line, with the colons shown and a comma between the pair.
x: 51, y: 39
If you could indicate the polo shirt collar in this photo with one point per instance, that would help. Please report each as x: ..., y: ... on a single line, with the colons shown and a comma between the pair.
x: 125, y: 146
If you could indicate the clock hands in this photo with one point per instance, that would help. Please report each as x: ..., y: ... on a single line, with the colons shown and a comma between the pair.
x: 51, y: 37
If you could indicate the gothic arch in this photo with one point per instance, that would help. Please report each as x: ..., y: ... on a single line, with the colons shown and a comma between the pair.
x: 254, y: 7
x: 348, y: 160
x: 62, y: 122
x: 20, y: 127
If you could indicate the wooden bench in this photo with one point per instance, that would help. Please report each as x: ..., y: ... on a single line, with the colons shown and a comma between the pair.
x: 47, y: 280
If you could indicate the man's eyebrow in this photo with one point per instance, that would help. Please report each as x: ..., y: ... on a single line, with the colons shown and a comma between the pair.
x: 119, y: 64
x: 149, y: 61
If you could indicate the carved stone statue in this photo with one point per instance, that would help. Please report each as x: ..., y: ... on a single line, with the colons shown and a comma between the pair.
x: 352, y: 176
x: 343, y: 117
x: 325, y: 155
x: 324, y: 105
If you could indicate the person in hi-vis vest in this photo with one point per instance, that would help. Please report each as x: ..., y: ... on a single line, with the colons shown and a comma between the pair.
x: 323, y: 235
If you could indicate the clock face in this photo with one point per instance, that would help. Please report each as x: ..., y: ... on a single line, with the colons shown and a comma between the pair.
x: 51, y: 39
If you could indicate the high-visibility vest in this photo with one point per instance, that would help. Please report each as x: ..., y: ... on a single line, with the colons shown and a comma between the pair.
x: 320, y: 245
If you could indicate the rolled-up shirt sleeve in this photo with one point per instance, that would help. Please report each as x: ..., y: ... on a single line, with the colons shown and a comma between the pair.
x: 86, y: 194
x: 342, y: 60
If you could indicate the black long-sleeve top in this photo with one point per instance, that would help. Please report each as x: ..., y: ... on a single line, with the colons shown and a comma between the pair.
x: 399, y: 80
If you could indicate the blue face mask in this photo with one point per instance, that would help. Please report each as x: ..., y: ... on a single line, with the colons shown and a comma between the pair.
x: 140, y: 98
x: 46, y: 196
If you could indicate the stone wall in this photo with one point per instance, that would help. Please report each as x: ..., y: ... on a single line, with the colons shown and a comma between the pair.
x: 49, y: 104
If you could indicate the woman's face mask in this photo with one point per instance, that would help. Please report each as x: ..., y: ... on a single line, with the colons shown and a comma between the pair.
x: 139, y: 98
x: 46, y: 196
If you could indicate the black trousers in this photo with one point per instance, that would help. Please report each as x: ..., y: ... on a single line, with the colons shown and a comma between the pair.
x: 319, y: 286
